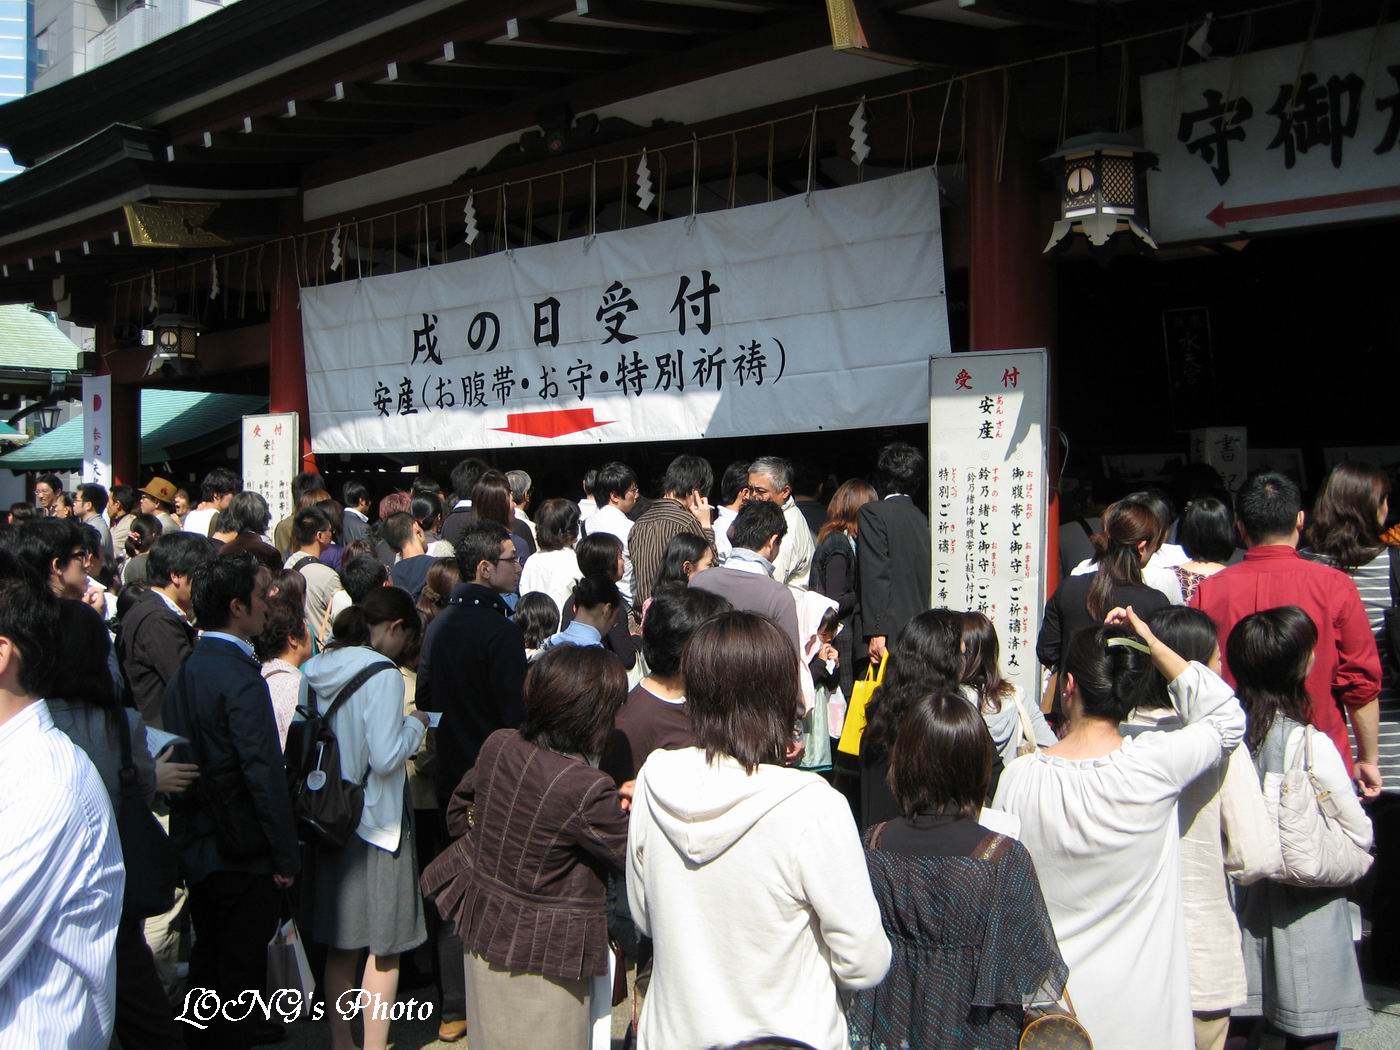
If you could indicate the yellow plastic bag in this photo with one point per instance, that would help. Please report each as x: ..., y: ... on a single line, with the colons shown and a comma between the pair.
x: 861, y: 692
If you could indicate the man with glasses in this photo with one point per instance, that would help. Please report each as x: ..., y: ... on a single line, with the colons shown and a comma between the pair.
x: 472, y: 669
x: 770, y: 479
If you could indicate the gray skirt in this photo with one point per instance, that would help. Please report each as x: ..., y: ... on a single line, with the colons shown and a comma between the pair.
x: 364, y: 897
x: 1299, y: 959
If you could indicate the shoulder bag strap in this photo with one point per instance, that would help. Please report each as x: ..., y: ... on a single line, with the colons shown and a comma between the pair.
x: 129, y: 780
x: 353, y: 686
x: 992, y: 846
x: 877, y: 833
x: 1023, y: 718
x: 1394, y: 582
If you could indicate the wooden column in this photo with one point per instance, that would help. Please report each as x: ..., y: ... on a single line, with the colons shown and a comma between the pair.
x: 286, y: 369
x: 1011, y: 284
x: 125, y: 438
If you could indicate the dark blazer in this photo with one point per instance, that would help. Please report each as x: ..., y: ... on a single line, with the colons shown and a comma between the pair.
x: 473, y: 670
x: 220, y: 704
x: 454, y: 525
x: 895, y: 565
x: 352, y: 528
x: 1067, y: 612
x: 525, y: 881
x: 152, y: 643
x: 834, y: 575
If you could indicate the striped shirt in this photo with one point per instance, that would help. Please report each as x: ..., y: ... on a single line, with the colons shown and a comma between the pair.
x: 663, y: 521
x: 1372, y: 581
x: 61, y: 883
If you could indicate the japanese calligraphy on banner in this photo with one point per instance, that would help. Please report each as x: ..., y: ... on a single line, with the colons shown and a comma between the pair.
x: 791, y: 316
x: 1277, y: 138
x: 97, y: 430
x: 271, y: 443
x: 987, y: 493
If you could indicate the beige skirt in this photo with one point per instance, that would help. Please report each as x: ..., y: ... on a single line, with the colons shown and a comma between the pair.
x: 507, y: 1009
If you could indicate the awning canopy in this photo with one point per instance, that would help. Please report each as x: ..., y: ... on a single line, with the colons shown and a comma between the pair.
x: 174, y: 423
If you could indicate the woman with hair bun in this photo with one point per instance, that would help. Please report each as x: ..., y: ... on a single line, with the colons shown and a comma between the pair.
x: 1131, y: 533
x: 596, y: 603
x: 365, y: 894
x: 1099, y: 816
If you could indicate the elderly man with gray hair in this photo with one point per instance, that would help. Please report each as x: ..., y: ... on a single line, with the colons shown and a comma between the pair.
x: 521, y: 485
x: 770, y: 479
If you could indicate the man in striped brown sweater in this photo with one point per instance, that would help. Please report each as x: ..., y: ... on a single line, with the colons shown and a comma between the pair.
x: 683, y: 507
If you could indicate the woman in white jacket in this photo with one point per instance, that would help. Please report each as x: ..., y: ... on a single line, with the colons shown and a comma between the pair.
x: 365, y: 895
x: 1298, y: 955
x: 1099, y: 816
x: 748, y: 875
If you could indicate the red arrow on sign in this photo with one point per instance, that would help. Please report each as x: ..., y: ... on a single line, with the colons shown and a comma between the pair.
x: 553, y: 424
x: 1222, y: 216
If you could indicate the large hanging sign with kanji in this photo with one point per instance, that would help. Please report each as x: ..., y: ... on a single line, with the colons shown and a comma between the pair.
x: 1293, y: 136
x: 988, y: 413
x: 811, y: 313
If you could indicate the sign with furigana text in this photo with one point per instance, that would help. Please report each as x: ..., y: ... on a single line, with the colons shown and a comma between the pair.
x: 97, y: 431
x: 799, y: 315
x: 987, y: 495
x: 1291, y: 136
x: 271, y: 444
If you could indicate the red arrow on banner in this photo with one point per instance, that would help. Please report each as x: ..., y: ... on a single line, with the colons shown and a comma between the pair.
x: 1222, y: 216
x: 553, y: 424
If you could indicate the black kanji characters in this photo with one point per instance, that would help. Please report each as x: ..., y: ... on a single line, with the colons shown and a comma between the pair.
x: 579, y: 374
x: 382, y: 398
x: 425, y: 342
x: 617, y: 304
x: 750, y: 362
x: 670, y: 368
x: 1316, y: 115
x: 711, y: 365
x: 631, y: 374
x: 503, y: 383
x: 547, y: 322
x: 698, y: 302
x: 476, y: 331
x: 1224, y: 119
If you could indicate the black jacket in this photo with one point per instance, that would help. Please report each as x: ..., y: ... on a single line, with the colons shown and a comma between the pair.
x: 472, y: 669
x: 453, y: 525
x: 1067, y: 612
x: 894, y: 562
x: 219, y: 702
x: 152, y: 643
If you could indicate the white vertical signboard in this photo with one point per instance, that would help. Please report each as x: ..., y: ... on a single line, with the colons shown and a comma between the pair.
x: 987, y: 495
x: 271, y: 444
x: 97, y: 430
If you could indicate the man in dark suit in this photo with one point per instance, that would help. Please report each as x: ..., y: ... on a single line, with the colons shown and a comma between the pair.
x: 894, y: 559
x: 219, y: 702
x: 472, y: 669
x: 465, y: 475
x: 155, y: 635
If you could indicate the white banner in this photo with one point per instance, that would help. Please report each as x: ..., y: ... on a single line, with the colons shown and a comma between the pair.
x: 799, y: 315
x: 271, y: 446
x: 1292, y: 136
x: 97, y: 430
x: 987, y: 477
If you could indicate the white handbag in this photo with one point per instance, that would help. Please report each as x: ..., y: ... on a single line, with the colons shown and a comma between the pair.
x: 1316, y: 850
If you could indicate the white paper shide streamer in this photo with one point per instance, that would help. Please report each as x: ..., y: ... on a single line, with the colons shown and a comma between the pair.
x: 469, y: 218
x: 860, y: 148
x: 213, y: 277
x: 645, y: 195
x: 335, y: 250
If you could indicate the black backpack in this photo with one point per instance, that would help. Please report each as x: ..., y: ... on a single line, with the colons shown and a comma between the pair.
x: 327, y: 806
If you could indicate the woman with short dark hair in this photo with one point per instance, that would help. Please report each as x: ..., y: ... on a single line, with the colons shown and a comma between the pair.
x: 747, y: 874
x: 538, y: 828
x: 925, y: 658
x: 554, y: 568
x: 1207, y: 535
x: 961, y: 904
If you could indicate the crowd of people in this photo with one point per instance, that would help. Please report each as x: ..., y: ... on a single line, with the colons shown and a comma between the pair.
x: 516, y: 751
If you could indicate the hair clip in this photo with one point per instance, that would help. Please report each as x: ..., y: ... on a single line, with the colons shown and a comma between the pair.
x: 1131, y: 643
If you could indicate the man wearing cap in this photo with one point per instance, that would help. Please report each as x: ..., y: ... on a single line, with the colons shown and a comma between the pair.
x: 158, y: 500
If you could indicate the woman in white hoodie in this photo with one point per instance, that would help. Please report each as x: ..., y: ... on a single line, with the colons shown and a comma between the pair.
x: 365, y: 895
x: 747, y: 874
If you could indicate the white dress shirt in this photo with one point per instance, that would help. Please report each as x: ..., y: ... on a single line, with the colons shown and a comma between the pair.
x: 724, y: 517
x: 61, y: 885
x: 612, y: 521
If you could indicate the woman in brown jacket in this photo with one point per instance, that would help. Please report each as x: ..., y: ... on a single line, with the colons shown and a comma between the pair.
x: 538, y: 829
